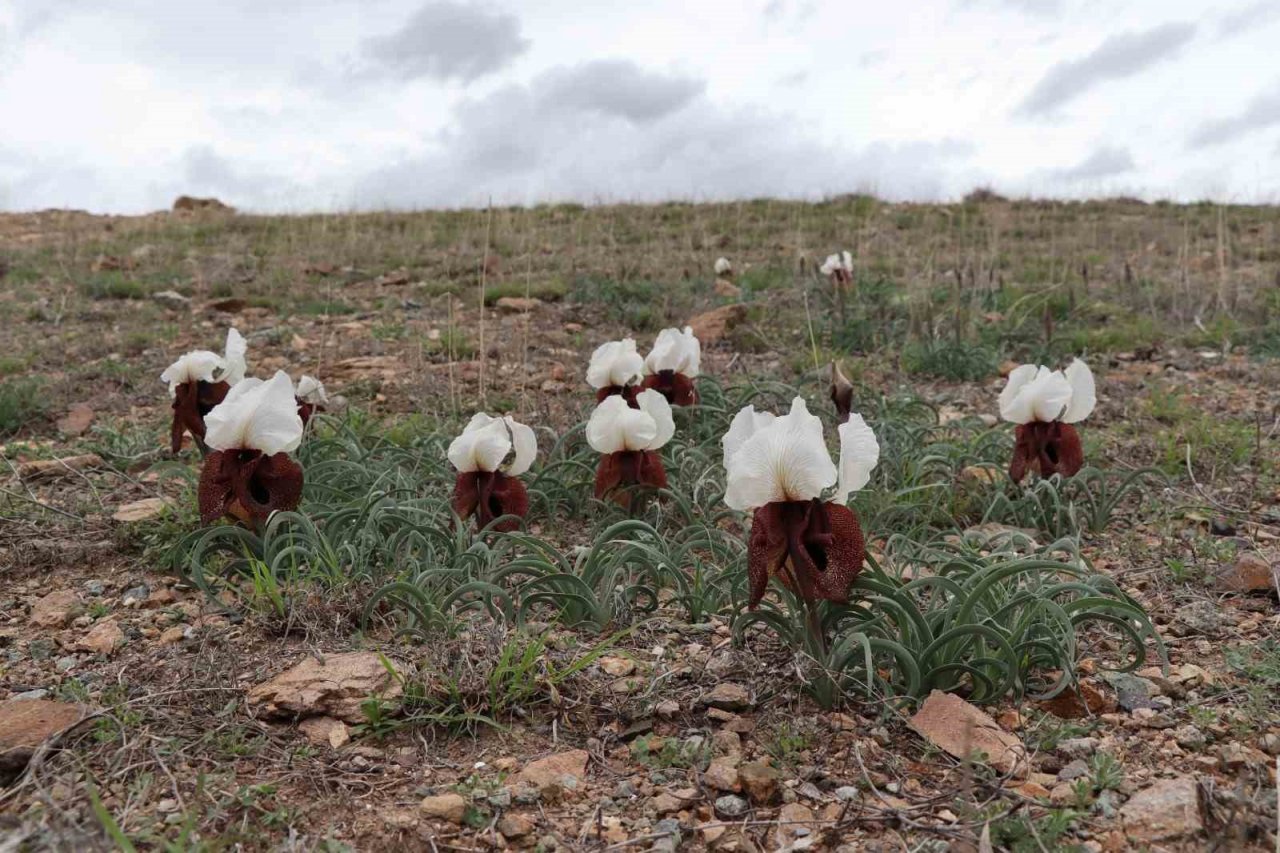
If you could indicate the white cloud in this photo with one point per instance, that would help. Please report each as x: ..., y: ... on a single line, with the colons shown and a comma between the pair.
x: 448, y: 41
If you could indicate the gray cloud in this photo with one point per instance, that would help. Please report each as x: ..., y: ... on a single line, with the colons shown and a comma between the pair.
x: 1118, y: 57
x: 1260, y: 113
x: 616, y: 87
x: 661, y: 137
x: 448, y: 41
x: 1105, y: 162
x: 1032, y: 7
x: 1247, y: 17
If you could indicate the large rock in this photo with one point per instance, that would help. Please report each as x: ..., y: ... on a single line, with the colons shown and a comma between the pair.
x: 968, y: 733
x: 562, y: 771
x: 760, y: 781
x: 335, y: 688
x: 56, y: 609
x: 450, y: 807
x: 25, y: 724
x: 1169, y: 809
x: 193, y: 204
x: 104, y: 638
x: 713, y: 325
x: 1251, y: 572
x: 517, y: 304
x: 728, y: 697
x: 77, y: 420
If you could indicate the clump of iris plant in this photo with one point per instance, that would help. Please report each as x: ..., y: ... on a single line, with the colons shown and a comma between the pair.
x: 616, y: 368
x: 490, y: 455
x: 1044, y: 404
x: 628, y: 440
x: 249, y: 474
x: 673, y: 364
x: 311, y: 398
x: 199, y: 381
x: 802, y: 532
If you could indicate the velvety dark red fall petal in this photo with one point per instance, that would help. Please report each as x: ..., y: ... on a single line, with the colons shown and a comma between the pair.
x: 248, y: 485
x: 306, y: 410
x: 628, y: 393
x: 676, y: 387
x: 815, y: 549
x: 625, y: 468
x: 191, y: 402
x: 1048, y: 448
x: 488, y: 496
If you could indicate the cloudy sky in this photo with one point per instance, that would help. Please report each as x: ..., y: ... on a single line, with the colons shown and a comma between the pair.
x: 291, y: 105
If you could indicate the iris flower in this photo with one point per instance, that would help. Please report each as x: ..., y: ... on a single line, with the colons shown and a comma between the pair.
x: 490, y: 455
x: 251, y: 432
x: 1044, y: 404
x: 311, y: 398
x: 628, y: 440
x: 839, y: 268
x: 802, y: 532
x: 616, y: 369
x: 673, y: 364
x: 724, y: 268
x: 198, y: 381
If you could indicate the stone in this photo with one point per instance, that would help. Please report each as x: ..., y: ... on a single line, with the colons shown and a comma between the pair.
x: 727, y: 696
x: 759, y: 781
x: 1078, y: 747
x: 1189, y: 737
x: 563, y: 771
x: 1073, y: 770
x: 41, y: 470
x: 713, y: 325
x: 517, y: 304
x: 140, y: 510
x: 171, y: 299
x: 981, y: 475
x: 25, y: 724
x: 1251, y: 572
x: 724, y: 287
x: 325, y: 731
x: 728, y: 743
x: 1238, y: 756
x: 515, y: 825
x: 192, y: 204
x: 795, y: 820
x: 730, y: 807
x: 1033, y: 791
x: 450, y: 807
x: 335, y: 687
x: 77, y: 420
x: 104, y: 638
x: 665, y: 803
x: 846, y: 793
x: 56, y: 609
x: 1169, y: 809
x: 722, y: 775
x: 1132, y: 692
x: 968, y: 733
x: 617, y: 666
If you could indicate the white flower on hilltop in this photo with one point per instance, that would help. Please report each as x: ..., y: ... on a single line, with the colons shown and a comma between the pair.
x: 1036, y: 393
x: 677, y: 350
x: 615, y: 427
x: 838, y: 263
x: 494, y: 444
x: 772, y: 459
x: 256, y: 415
x: 311, y: 391
x: 723, y: 267
x: 615, y: 365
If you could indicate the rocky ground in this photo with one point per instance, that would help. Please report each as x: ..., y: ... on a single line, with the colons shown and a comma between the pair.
x: 135, y: 711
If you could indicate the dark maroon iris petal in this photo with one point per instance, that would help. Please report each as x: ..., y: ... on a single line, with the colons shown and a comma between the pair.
x: 306, y: 410
x: 489, y: 495
x: 676, y: 387
x: 1048, y: 448
x: 247, y: 485
x: 628, y: 468
x: 191, y: 402
x: 627, y: 392
x: 815, y: 549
